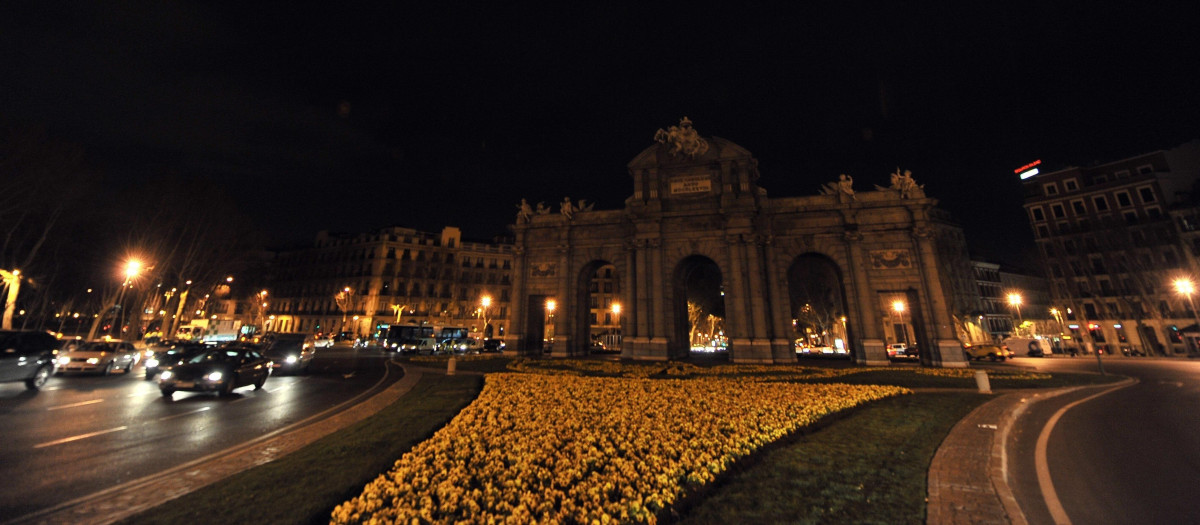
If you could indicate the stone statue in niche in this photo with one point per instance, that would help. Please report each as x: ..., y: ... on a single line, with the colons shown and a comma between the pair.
x: 524, y: 212
x: 682, y: 139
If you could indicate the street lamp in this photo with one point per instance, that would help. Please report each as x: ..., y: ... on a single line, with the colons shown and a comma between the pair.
x: 1014, y: 300
x: 898, y: 306
x: 1186, y: 288
x: 343, y: 302
x: 485, y: 303
x: 551, y: 304
x: 132, y: 267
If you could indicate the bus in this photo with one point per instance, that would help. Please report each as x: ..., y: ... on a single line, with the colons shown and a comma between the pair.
x: 408, y: 338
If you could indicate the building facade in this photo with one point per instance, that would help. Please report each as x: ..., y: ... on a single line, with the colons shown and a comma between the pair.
x: 363, y: 283
x: 699, y: 239
x: 1113, y: 239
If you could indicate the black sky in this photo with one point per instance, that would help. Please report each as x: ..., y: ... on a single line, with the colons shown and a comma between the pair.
x: 352, y: 117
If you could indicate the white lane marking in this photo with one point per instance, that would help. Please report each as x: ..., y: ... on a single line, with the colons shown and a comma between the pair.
x: 79, y: 404
x: 196, y: 411
x: 1043, y: 467
x: 79, y: 437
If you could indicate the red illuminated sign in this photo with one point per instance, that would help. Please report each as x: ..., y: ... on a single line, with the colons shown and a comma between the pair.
x: 1029, y: 166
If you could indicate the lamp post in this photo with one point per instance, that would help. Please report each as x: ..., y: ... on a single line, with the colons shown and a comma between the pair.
x: 343, y: 302
x: 1186, y: 288
x: 1014, y: 300
x: 1058, y: 317
x: 131, y: 270
x: 898, y: 306
x: 485, y: 303
x: 551, y: 304
x: 616, y: 311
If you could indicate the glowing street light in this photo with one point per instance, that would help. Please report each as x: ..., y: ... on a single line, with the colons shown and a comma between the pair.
x: 898, y: 306
x: 1014, y: 300
x: 1186, y: 288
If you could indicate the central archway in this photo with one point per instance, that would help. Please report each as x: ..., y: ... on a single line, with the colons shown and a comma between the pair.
x: 818, y: 307
x: 699, y: 308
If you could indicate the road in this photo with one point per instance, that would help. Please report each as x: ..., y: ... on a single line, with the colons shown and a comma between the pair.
x: 84, y: 434
x: 1130, y: 455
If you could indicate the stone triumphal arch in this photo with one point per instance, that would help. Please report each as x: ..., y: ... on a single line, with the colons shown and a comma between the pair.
x: 699, y: 233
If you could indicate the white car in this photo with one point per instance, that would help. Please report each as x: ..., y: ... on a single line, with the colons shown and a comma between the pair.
x: 99, y: 356
x: 324, y: 341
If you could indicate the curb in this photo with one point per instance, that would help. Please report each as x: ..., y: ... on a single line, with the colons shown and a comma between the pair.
x: 968, y: 479
x: 133, y: 497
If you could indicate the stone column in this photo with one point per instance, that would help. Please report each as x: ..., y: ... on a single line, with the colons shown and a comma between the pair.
x: 948, y: 353
x: 782, y: 349
x: 737, y: 325
x: 759, y: 306
x: 564, y: 318
x: 659, y: 336
x: 515, y: 336
x: 629, y: 317
x: 640, y: 343
x: 870, y: 350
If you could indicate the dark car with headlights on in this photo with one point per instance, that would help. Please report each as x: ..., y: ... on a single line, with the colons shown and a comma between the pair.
x: 220, y: 370
x: 289, y: 352
x: 27, y: 356
x: 171, y: 353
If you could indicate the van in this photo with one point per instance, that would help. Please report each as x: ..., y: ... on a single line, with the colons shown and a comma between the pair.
x: 1028, y: 346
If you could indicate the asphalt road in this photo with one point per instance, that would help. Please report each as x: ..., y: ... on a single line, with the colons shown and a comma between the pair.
x: 1131, y: 455
x: 84, y: 434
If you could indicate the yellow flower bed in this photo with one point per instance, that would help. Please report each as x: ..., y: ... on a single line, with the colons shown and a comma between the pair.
x: 760, y: 372
x: 554, y: 449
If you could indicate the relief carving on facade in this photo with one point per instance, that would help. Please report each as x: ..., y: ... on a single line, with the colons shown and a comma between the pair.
x: 890, y: 259
x: 543, y: 270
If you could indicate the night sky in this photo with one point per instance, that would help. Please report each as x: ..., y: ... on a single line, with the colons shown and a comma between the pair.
x: 352, y: 117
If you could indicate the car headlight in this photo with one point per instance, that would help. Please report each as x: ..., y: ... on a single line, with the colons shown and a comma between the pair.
x: 93, y: 360
x: 151, y: 363
x: 215, y: 376
x: 291, y: 359
x: 64, y: 360
x: 167, y: 374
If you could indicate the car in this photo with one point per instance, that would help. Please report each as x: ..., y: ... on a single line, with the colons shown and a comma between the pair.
x: 29, y: 356
x: 465, y: 345
x: 292, y: 352
x: 171, y: 353
x: 320, y: 341
x: 99, y: 356
x: 900, y: 350
x: 222, y: 370
x: 493, y: 345
x: 990, y: 351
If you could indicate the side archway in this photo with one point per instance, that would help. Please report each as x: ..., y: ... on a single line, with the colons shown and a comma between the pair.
x: 817, y: 302
x: 596, y: 318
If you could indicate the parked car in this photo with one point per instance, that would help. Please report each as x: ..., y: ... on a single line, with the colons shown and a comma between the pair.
x: 989, y: 351
x: 901, y: 350
x: 99, y: 356
x: 171, y: 353
x: 289, y: 351
x: 220, y: 370
x: 493, y: 345
x: 27, y: 355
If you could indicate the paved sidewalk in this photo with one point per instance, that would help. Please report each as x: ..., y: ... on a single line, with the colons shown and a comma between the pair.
x: 967, y: 484
x: 130, y: 498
